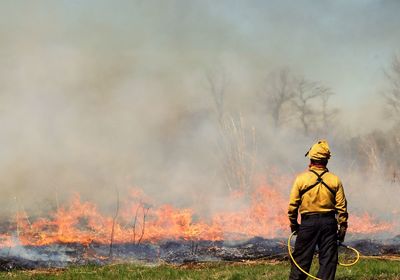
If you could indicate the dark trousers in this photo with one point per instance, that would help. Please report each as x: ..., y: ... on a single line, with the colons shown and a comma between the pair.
x: 316, y: 230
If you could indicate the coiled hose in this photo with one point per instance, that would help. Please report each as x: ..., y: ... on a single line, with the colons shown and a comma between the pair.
x: 312, y: 276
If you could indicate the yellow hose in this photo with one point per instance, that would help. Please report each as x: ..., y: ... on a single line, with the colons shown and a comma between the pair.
x: 295, y: 263
x: 308, y: 274
x: 357, y: 256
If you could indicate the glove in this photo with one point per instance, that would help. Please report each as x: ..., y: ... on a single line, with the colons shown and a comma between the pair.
x: 294, y: 228
x: 342, y: 233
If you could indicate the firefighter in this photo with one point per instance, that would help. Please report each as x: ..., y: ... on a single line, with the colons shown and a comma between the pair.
x: 318, y: 196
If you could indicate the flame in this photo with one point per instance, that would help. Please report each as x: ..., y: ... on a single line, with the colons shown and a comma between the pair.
x: 263, y: 213
x: 367, y: 224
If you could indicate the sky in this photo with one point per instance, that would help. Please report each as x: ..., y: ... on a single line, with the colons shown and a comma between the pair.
x: 345, y: 44
x: 101, y: 93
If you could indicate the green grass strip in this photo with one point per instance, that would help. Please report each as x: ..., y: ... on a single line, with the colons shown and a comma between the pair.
x: 384, y: 269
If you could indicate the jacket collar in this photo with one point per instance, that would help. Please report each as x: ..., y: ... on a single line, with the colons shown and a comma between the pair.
x: 317, y: 167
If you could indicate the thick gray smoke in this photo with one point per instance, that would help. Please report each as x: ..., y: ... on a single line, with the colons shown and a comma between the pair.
x: 97, y: 96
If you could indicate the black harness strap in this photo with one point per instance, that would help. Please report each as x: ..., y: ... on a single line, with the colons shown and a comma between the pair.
x: 319, y: 180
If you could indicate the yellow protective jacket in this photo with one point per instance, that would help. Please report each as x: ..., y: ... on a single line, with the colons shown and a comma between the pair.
x: 323, y: 197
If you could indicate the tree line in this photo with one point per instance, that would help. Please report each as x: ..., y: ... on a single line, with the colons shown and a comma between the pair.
x: 292, y: 101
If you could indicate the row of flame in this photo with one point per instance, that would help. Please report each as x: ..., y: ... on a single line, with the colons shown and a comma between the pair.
x: 81, y: 222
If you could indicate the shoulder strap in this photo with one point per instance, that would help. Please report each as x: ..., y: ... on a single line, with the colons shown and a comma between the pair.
x: 319, y: 180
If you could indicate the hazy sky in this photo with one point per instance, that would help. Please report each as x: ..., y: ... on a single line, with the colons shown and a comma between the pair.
x: 345, y: 44
x: 101, y: 89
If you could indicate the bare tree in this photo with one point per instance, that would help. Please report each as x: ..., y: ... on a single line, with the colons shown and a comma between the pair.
x: 288, y: 96
x: 145, y: 209
x: 310, y: 111
x: 217, y: 86
x: 305, y: 92
x: 279, y: 92
x: 238, y: 147
x: 134, y: 222
x: 113, y: 227
x: 236, y: 141
x: 327, y: 113
x: 370, y: 148
x: 392, y: 93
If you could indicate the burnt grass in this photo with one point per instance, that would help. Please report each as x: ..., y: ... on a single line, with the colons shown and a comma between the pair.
x: 256, y: 258
x: 172, y: 252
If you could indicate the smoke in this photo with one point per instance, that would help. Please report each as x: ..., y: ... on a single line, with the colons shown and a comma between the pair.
x: 96, y: 96
x: 18, y: 251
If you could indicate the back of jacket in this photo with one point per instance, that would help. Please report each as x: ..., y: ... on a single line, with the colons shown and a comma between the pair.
x: 318, y: 199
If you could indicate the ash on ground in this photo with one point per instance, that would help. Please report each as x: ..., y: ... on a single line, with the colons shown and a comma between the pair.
x: 175, y: 252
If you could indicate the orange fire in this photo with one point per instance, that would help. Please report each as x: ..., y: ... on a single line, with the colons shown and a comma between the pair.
x: 366, y: 224
x: 262, y: 214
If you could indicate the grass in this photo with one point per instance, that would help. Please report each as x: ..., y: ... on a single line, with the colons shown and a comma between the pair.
x: 386, y: 269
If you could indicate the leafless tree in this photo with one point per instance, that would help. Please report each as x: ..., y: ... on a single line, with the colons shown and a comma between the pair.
x: 327, y: 113
x: 134, y: 222
x: 236, y: 140
x: 392, y: 93
x: 238, y: 147
x: 370, y: 148
x: 279, y: 92
x: 113, y: 226
x: 217, y: 84
x: 305, y: 92
x: 311, y: 103
x: 145, y: 209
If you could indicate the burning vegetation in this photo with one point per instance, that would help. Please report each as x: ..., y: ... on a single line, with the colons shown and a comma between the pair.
x: 141, y: 221
x: 140, y: 229
x: 251, y: 221
x: 145, y: 109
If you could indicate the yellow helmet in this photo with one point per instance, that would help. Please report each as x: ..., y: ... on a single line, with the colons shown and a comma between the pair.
x: 319, y: 151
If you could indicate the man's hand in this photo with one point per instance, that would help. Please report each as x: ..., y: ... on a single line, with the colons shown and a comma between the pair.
x: 342, y: 233
x: 294, y: 228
